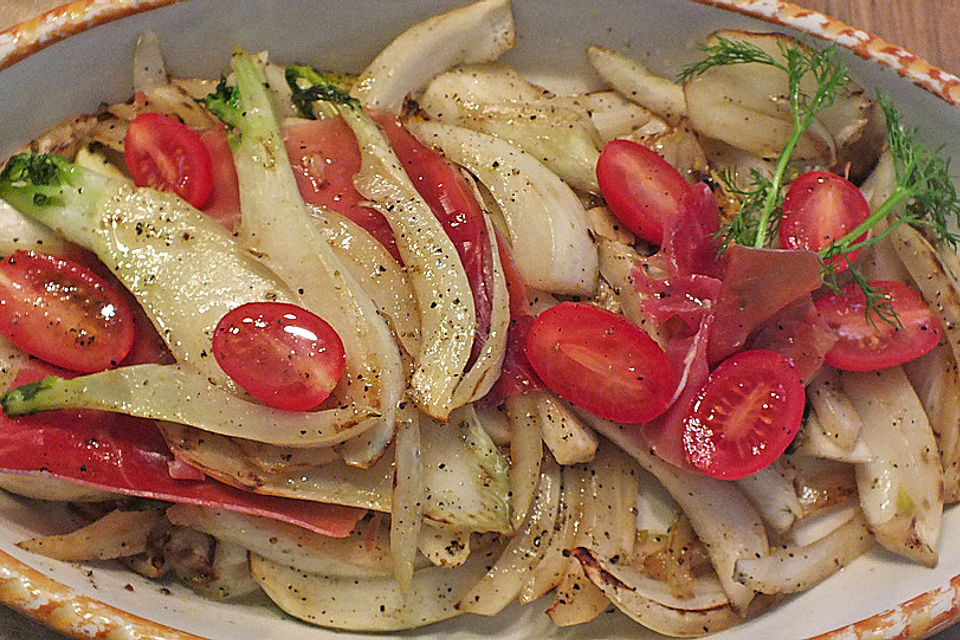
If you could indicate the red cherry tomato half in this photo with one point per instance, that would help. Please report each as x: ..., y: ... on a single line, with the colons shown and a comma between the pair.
x: 869, y: 344
x: 601, y: 362
x: 641, y: 188
x: 63, y: 313
x: 280, y: 353
x: 745, y: 416
x: 164, y: 154
x: 821, y: 207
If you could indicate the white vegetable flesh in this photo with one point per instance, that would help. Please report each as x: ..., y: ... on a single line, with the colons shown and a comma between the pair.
x: 637, y: 83
x: 901, y: 490
x: 503, y: 581
x: 447, y: 313
x: 936, y: 275
x: 480, y: 377
x: 184, y: 268
x: 117, y: 534
x: 173, y: 394
x: 371, y: 604
x: 546, y: 222
x: 650, y: 602
x: 284, y: 543
x: 724, y: 520
x: 556, y: 131
x: 407, y: 502
x: 277, y: 225
x: 479, y: 32
x: 526, y: 454
x: 791, y: 569
x: 377, y: 273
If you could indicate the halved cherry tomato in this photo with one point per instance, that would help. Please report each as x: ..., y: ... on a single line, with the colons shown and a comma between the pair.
x: 164, y: 154
x: 641, y: 188
x: 601, y: 362
x: 746, y: 414
x: 325, y: 157
x: 280, y: 353
x: 63, y: 313
x: 869, y: 344
x: 821, y: 207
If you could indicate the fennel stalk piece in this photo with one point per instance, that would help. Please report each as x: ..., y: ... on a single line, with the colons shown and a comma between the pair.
x: 173, y: 394
x: 479, y: 32
x: 447, y: 313
x: 277, y: 225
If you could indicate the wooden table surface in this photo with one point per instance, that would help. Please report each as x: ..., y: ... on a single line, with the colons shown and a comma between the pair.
x: 928, y: 28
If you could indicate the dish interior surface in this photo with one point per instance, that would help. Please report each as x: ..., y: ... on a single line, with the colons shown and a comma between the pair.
x: 80, y: 73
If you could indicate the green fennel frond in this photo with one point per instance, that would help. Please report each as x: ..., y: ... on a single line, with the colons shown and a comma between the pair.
x: 742, y: 228
x: 799, y: 61
x: 924, y: 196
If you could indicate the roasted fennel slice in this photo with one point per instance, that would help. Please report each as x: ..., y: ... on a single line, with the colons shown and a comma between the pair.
x: 174, y: 394
x: 465, y: 478
x: 447, y: 312
x: 183, y: 267
x: 277, y: 226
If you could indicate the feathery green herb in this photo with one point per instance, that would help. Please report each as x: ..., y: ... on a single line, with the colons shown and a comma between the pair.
x: 761, y: 205
x: 923, y: 197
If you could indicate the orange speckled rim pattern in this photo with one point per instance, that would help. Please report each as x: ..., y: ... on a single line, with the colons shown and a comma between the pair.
x: 57, y: 606
x: 51, y: 603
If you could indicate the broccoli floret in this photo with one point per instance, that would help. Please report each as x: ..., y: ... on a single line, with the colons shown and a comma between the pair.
x: 41, y: 178
x: 51, y: 190
x: 224, y: 103
x: 309, y: 87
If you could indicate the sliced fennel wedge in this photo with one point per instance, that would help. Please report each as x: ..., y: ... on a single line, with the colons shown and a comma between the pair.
x: 173, y: 394
x: 371, y: 604
x: 278, y: 226
x: 182, y: 266
x: 479, y: 32
x: 447, y: 313
x: 500, y: 102
x: 546, y: 223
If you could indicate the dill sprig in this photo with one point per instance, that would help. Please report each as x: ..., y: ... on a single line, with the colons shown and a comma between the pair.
x: 924, y: 189
x: 924, y: 196
x: 742, y: 229
x: 876, y: 303
x: 799, y: 61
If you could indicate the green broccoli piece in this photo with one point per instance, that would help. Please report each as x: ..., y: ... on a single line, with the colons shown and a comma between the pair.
x: 50, y: 189
x: 309, y: 87
x: 224, y: 103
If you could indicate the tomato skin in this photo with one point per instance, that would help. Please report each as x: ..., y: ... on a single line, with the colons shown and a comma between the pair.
x: 642, y: 189
x: 601, y: 362
x: 280, y: 353
x: 63, y: 313
x: 869, y: 347
x: 821, y: 207
x: 164, y: 154
x: 745, y: 415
